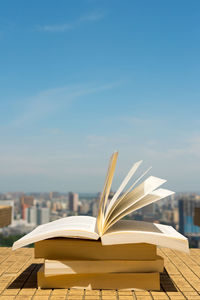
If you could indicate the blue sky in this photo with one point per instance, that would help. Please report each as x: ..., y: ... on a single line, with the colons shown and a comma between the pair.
x: 80, y: 79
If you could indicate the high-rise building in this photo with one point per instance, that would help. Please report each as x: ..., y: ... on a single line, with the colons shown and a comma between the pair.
x: 148, y: 210
x: 186, y: 216
x: 43, y: 215
x: 95, y: 207
x: 36, y: 215
x: 25, y: 202
x: 31, y: 215
x: 186, y: 219
x: 73, y: 201
x: 84, y: 207
x: 54, y: 195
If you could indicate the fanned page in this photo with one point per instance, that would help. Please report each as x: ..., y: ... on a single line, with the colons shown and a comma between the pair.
x: 122, y: 186
x: 137, y: 194
x: 116, y: 199
x: 106, y: 191
x: 146, y: 200
x: 130, y: 231
x: 77, y: 227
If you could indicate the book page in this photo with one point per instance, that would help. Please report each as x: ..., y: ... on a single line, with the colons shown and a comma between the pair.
x: 115, y: 200
x: 131, y: 231
x: 148, y: 199
x: 76, y: 226
x: 122, y: 186
x: 146, y: 187
x: 106, y: 191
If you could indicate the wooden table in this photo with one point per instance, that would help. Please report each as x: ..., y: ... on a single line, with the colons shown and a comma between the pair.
x: 18, y: 269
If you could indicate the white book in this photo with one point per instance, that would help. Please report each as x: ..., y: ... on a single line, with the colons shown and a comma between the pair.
x: 109, y: 226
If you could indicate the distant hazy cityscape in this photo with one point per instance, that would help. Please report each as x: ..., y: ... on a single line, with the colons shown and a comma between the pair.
x: 32, y: 209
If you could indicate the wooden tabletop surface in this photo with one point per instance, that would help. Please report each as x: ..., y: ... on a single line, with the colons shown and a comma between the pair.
x: 18, y: 269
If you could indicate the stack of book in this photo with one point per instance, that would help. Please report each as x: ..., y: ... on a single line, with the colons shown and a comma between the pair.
x: 78, y: 263
x: 106, y: 252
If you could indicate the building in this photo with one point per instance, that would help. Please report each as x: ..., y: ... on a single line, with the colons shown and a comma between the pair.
x: 43, y: 215
x: 25, y: 202
x: 73, y: 201
x: 31, y: 215
x: 36, y: 215
x: 54, y: 195
x: 84, y: 207
x: 148, y: 210
x: 187, y: 220
x: 95, y: 207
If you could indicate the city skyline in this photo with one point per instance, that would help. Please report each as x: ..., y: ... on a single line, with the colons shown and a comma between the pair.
x: 79, y: 81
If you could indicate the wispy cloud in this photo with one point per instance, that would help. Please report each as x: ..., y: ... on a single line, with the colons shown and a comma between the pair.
x: 64, y: 27
x: 49, y: 102
x: 92, y: 17
x: 55, y: 28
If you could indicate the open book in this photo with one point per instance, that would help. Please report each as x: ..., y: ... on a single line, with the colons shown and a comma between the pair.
x: 108, y: 226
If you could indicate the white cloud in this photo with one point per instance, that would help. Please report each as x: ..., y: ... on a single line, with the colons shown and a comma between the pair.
x: 55, y: 28
x: 64, y: 27
x: 92, y: 17
x: 50, y: 101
